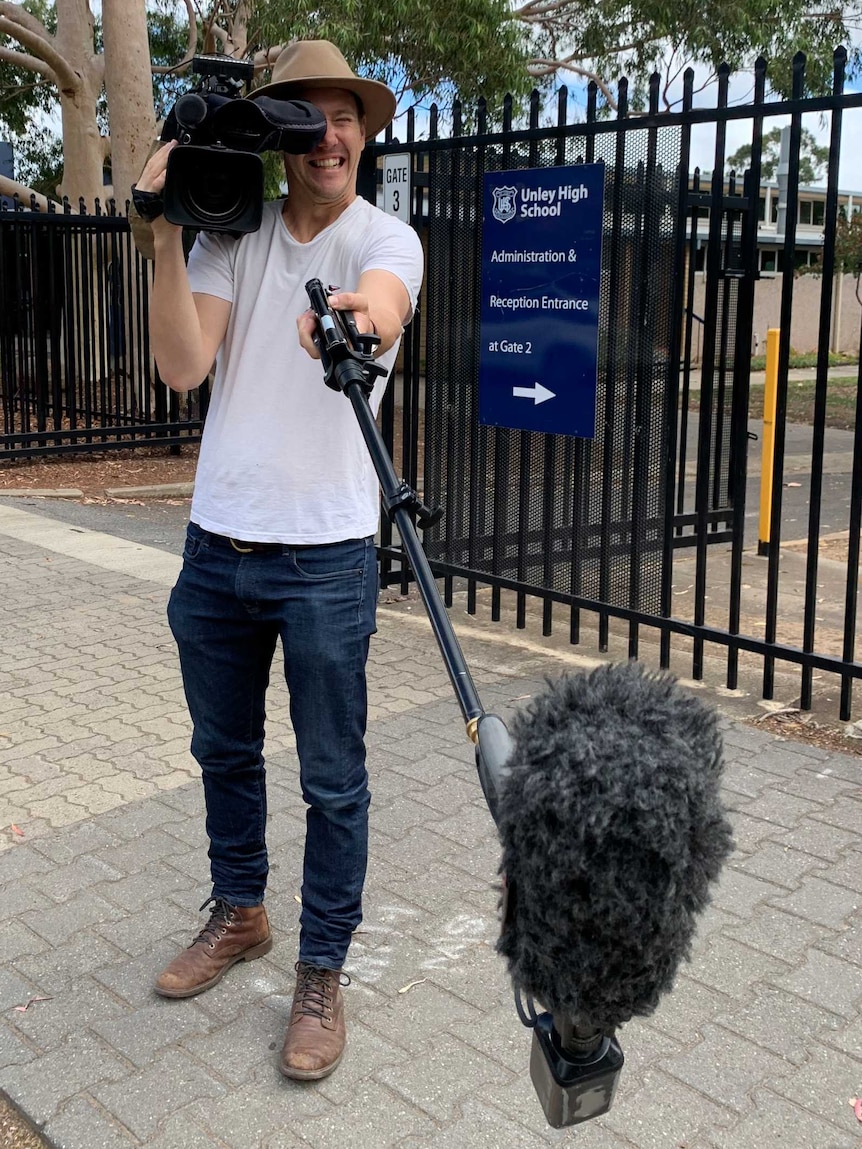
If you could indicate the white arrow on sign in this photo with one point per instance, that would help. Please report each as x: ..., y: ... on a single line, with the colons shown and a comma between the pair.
x: 537, y: 393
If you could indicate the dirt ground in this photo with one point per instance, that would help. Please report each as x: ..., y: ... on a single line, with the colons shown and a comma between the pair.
x: 101, y: 471
x: 801, y: 727
x: 16, y: 1132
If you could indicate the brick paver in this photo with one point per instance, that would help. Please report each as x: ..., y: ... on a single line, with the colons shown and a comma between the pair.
x: 760, y: 1044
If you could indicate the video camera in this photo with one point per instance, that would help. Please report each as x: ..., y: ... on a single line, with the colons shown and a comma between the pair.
x: 214, y: 180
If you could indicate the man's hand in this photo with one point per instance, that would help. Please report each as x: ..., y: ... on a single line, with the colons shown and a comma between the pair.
x: 152, y: 178
x: 152, y: 224
x: 306, y: 324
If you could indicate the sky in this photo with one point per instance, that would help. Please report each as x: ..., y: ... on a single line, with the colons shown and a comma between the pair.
x: 738, y: 131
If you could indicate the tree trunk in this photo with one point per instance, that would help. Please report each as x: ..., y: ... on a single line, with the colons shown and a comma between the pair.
x: 129, y: 86
x: 79, y: 90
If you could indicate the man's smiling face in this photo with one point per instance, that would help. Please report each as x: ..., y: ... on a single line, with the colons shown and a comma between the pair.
x: 327, y: 175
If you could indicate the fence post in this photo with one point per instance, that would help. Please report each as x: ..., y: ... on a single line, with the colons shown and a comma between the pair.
x: 770, y: 394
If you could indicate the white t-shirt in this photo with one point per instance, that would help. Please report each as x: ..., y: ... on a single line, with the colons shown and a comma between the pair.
x: 282, y: 457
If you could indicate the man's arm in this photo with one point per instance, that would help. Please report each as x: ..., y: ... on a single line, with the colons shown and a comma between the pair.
x: 379, y: 304
x: 186, y: 330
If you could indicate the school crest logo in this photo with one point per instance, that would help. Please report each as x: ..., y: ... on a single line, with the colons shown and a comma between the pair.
x: 505, y: 204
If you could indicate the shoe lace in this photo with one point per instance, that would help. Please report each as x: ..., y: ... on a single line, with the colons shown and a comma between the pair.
x: 221, y: 916
x: 314, y: 989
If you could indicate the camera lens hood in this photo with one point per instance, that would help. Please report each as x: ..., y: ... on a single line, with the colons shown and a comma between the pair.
x: 268, y: 125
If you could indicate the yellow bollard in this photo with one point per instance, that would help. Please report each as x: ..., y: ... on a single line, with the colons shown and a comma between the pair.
x: 770, y: 397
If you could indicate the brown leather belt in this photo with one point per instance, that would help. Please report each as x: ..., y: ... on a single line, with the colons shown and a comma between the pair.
x: 248, y: 548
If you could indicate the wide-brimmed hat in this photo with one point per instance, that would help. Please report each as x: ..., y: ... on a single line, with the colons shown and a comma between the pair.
x: 306, y: 64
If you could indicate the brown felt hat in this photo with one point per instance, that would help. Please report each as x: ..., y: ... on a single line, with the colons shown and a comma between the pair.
x: 306, y: 64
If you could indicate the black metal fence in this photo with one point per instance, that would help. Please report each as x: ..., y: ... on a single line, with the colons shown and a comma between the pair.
x: 610, y: 528
x: 75, y: 367
x: 642, y: 533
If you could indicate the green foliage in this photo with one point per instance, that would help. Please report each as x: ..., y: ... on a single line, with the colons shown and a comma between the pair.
x: 812, y: 158
x: 23, y: 93
x: 667, y: 35
x: 432, y: 51
x: 848, y: 244
x: 39, y: 160
x: 168, y: 45
x: 806, y: 359
x: 848, y: 248
x: 273, y: 175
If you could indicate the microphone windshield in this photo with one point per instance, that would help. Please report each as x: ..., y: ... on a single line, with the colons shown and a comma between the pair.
x: 612, y: 829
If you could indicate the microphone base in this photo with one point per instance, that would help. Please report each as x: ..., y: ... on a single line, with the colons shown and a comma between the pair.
x: 572, y: 1091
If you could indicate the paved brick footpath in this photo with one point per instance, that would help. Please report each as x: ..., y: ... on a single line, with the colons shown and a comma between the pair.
x: 760, y: 1044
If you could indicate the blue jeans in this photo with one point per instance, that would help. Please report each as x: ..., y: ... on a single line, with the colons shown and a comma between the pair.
x: 226, y: 613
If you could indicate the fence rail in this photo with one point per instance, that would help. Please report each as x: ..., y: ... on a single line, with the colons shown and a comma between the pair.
x: 639, y: 532
x: 608, y: 528
x: 75, y: 368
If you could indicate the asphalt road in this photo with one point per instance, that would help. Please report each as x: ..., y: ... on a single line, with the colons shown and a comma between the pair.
x: 162, y: 523
x: 154, y: 523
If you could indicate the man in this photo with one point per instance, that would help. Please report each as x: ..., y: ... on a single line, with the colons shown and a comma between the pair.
x: 280, y: 542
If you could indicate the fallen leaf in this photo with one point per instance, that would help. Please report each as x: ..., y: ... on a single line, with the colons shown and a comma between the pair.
x: 297, y: 898
x: 16, y: 830
x: 24, y: 1008
x: 410, y: 984
x: 856, y: 1103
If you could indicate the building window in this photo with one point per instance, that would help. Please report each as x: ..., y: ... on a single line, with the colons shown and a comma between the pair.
x: 773, y: 210
x: 812, y: 212
x: 771, y: 260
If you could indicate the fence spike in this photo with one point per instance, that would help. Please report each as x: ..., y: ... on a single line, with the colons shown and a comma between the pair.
x: 798, y: 84
x: 654, y: 82
x: 562, y: 105
x: 622, y: 98
x: 839, y: 64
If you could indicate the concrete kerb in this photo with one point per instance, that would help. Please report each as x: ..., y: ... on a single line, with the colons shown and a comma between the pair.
x: 156, y: 491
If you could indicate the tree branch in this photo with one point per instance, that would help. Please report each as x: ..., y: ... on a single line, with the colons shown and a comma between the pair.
x: 536, y: 10
x: 11, y: 187
x: 24, y: 19
x: 538, y: 67
x: 191, y: 45
x: 25, y: 60
x: 64, y: 76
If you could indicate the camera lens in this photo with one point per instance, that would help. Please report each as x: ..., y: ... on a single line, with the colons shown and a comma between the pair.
x: 212, y: 192
x: 214, y: 189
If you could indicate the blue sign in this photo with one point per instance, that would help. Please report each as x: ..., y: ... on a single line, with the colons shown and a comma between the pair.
x: 541, y: 267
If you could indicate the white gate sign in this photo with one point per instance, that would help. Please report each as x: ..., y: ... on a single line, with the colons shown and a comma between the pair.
x: 396, y: 185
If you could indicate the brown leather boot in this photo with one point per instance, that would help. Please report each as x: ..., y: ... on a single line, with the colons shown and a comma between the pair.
x: 233, y: 933
x: 316, y: 1033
